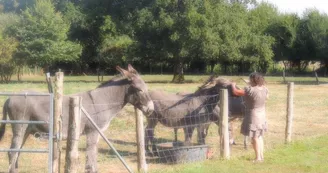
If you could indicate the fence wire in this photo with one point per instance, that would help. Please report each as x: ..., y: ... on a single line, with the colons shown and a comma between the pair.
x: 310, y: 117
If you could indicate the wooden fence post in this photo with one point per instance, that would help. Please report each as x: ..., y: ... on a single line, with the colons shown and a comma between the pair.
x: 48, y: 79
x: 73, y: 136
x: 58, y: 99
x: 142, y: 165
x: 290, y: 112
x: 224, y: 131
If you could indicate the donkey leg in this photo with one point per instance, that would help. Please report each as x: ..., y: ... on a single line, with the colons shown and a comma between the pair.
x: 200, y: 135
x: 91, y: 152
x: 149, y: 137
x: 19, y: 133
x: 202, y: 130
x: 188, y: 134
x: 245, y: 142
x: 176, y: 134
x: 24, y: 140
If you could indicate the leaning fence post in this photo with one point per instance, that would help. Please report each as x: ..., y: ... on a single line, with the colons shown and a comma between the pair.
x: 224, y: 131
x: 290, y: 110
x: 72, y: 151
x: 284, y: 75
x: 48, y: 79
x: 58, y: 99
x: 142, y: 165
x: 316, y: 77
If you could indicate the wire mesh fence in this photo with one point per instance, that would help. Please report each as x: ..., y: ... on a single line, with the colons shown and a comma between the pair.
x: 310, y: 117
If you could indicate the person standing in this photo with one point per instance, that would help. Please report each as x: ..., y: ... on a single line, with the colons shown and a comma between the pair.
x: 254, y: 123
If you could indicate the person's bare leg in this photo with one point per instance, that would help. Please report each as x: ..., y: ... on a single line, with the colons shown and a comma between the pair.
x: 261, y: 147
x: 256, y: 148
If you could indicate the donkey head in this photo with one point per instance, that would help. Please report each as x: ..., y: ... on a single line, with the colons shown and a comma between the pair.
x: 137, y: 93
x: 213, y: 85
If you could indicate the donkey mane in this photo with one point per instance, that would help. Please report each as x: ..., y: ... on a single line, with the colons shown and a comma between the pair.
x: 211, y: 83
x: 116, y: 80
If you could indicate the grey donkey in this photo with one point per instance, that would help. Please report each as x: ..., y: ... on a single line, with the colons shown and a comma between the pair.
x: 102, y: 103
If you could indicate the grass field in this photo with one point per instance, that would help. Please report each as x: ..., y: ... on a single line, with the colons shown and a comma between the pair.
x: 310, y: 117
x: 308, y: 155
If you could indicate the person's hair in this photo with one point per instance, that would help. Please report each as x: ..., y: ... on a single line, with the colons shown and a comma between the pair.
x: 257, y: 78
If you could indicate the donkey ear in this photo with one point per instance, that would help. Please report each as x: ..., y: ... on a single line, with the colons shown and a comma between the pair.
x: 122, y: 71
x: 125, y: 73
x: 131, y: 69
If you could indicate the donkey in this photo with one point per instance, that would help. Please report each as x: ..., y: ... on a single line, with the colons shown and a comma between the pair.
x: 236, y: 110
x: 102, y: 103
x: 188, y: 111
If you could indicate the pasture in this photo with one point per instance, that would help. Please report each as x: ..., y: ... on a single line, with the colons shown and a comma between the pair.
x: 310, y: 121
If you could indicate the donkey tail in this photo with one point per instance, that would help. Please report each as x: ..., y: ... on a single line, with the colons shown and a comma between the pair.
x: 4, y: 117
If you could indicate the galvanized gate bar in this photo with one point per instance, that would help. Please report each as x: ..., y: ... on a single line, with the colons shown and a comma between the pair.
x: 51, y: 132
x: 24, y: 94
x: 50, y: 122
x: 106, y: 140
x: 25, y: 150
x: 23, y: 122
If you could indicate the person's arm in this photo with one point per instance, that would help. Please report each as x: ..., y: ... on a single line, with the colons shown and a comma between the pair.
x: 236, y: 91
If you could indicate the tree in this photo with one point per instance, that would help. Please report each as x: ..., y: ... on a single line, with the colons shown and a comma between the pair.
x: 42, y: 36
x: 113, y: 46
x: 312, y: 35
x: 258, y: 52
x: 8, y: 47
x: 7, y: 65
x: 16, y: 6
x: 170, y: 31
x: 284, y: 32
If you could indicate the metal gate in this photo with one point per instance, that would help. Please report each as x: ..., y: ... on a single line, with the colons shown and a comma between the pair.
x: 50, y: 123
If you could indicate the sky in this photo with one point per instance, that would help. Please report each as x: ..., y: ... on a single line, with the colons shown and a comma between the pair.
x: 299, y: 6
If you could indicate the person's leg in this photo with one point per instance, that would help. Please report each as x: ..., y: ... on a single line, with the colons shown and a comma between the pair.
x: 261, y: 147
x: 256, y: 147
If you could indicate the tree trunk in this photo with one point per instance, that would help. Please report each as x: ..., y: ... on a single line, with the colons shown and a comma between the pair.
x: 161, y: 68
x: 35, y: 70
x: 326, y: 69
x: 178, y: 73
x: 225, y: 68
x: 19, y: 74
x: 212, y: 64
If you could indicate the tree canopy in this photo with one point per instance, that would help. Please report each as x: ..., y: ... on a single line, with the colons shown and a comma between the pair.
x: 171, y: 35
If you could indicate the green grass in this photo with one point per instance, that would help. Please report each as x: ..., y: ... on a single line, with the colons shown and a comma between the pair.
x: 310, y: 115
x: 309, y: 155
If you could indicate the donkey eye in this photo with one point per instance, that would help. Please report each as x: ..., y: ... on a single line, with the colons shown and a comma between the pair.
x: 137, y: 89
